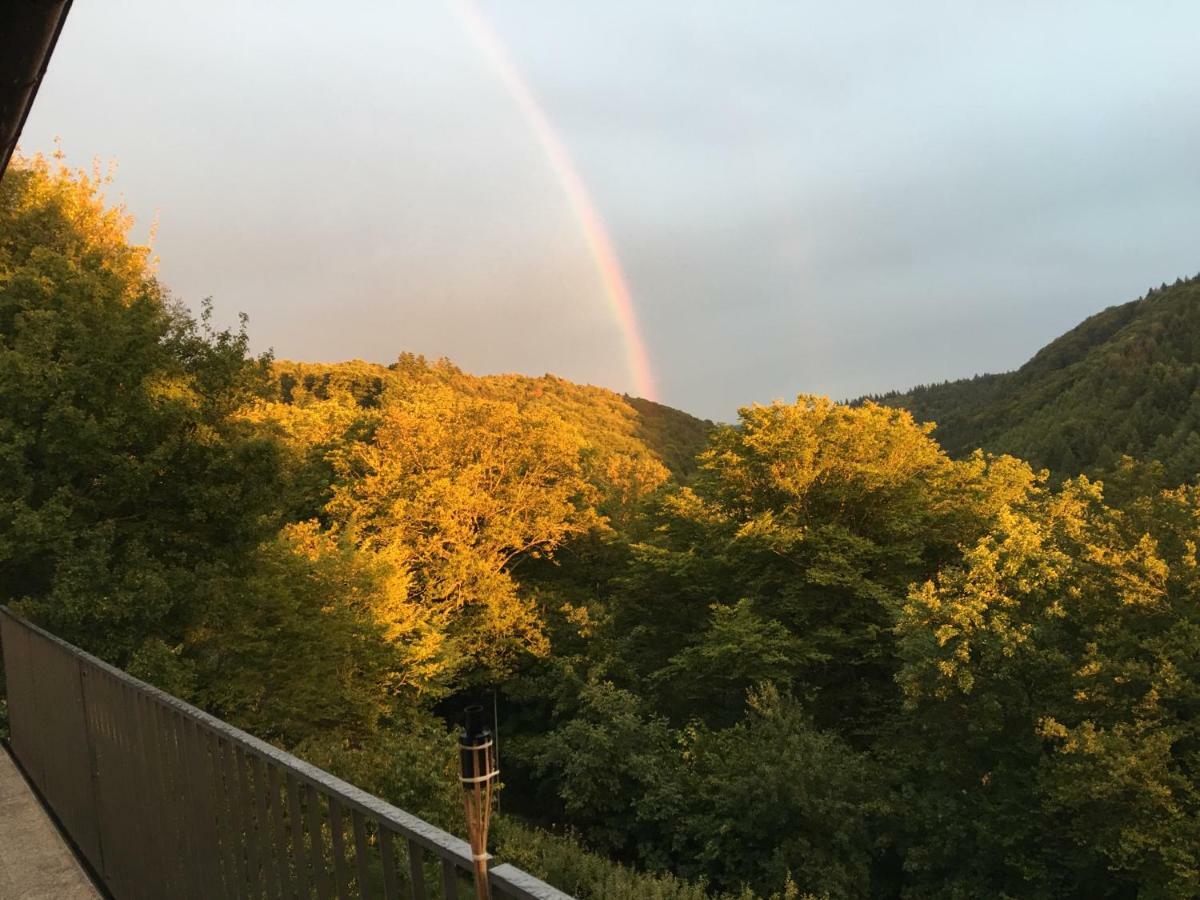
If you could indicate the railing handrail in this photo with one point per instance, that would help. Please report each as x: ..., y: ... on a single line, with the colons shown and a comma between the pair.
x: 507, y: 878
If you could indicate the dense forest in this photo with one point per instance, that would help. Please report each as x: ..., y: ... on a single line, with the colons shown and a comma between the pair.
x: 1125, y: 382
x: 810, y: 654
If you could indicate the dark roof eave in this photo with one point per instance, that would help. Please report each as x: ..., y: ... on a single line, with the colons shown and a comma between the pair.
x: 29, y: 29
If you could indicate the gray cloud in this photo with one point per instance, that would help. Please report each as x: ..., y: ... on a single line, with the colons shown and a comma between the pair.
x: 828, y: 198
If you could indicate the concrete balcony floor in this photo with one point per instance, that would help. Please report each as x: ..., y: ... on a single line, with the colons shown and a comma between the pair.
x: 35, y: 862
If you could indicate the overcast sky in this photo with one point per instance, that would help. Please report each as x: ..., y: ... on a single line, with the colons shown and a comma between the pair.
x: 805, y: 197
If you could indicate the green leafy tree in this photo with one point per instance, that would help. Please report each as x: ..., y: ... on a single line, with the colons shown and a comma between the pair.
x: 128, y: 488
x: 768, y: 801
x: 1050, y: 684
x: 819, y: 516
x: 601, y: 761
x: 737, y: 651
x: 292, y: 651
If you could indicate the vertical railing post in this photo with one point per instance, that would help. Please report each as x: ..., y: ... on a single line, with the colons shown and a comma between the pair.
x: 93, y: 771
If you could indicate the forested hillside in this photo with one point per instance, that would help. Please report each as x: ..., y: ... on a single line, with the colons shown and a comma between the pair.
x: 1125, y: 382
x: 811, y: 654
x: 612, y: 424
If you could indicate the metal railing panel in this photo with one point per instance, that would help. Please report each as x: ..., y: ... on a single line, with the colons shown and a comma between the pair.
x: 22, y: 697
x: 49, y: 728
x: 165, y: 800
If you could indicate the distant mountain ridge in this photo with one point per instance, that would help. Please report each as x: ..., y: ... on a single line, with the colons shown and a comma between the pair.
x: 1125, y: 381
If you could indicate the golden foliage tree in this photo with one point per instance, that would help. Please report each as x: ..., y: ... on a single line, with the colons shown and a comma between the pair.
x: 448, y: 495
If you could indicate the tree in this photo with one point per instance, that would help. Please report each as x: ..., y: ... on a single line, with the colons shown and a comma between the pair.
x: 769, y: 800
x: 739, y: 650
x: 820, y: 516
x: 1051, y: 684
x: 601, y: 761
x: 292, y: 651
x: 449, y: 495
x: 128, y: 488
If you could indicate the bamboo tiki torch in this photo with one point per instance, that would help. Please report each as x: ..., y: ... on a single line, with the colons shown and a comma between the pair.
x: 477, y: 772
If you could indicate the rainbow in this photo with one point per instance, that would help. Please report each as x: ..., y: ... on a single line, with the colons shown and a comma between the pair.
x: 594, y: 231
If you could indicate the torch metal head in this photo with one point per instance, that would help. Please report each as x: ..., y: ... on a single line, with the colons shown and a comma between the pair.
x: 474, y: 724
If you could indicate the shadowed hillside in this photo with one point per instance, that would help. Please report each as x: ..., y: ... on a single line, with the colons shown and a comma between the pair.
x: 1122, y: 382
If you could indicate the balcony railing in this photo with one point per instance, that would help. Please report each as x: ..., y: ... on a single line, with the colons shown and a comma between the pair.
x: 165, y: 801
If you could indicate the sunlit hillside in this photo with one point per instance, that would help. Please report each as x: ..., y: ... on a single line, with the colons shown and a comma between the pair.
x: 613, y: 424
